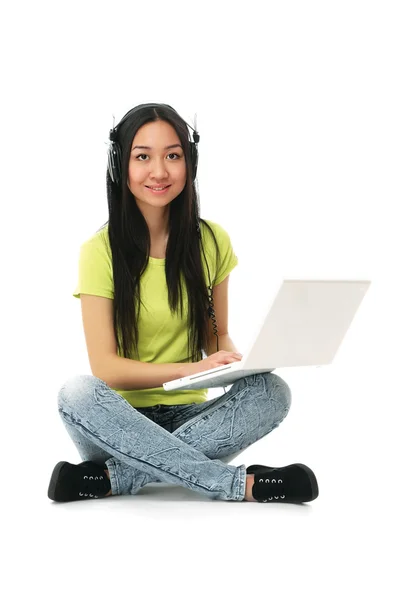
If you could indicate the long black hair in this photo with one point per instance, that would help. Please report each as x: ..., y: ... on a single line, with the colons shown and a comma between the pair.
x: 130, y: 244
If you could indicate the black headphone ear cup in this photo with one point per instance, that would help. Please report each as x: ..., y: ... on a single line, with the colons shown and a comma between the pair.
x: 114, y: 162
x: 118, y: 162
x: 194, y: 156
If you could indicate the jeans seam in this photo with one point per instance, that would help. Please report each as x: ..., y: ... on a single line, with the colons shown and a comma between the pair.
x: 115, y: 489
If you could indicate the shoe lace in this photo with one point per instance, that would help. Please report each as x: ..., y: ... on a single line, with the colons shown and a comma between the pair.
x: 276, y: 488
x: 92, y: 486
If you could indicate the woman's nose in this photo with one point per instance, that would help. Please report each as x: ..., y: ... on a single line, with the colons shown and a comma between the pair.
x: 158, y: 168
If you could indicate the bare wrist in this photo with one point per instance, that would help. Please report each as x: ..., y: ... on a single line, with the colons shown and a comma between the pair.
x: 186, y: 369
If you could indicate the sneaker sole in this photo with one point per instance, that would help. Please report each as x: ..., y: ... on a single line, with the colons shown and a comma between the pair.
x: 51, y: 492
x: 313, y: 480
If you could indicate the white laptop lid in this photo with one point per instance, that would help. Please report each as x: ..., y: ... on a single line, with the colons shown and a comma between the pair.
x: 306, y: 323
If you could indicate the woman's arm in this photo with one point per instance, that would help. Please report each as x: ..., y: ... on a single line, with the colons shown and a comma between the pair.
x: 127, y: 374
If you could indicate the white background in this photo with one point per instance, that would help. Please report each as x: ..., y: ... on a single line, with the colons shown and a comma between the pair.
x: 297, y: 108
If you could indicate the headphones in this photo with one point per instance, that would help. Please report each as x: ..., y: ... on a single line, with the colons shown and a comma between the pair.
x: 115, y: 172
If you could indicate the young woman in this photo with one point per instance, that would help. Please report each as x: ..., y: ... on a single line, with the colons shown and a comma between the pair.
x: 154, y: 253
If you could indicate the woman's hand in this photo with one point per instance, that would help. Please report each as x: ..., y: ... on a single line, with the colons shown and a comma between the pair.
x: 211, y: 362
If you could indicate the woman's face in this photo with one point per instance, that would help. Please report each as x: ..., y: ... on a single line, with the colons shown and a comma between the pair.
x: 157, y: 165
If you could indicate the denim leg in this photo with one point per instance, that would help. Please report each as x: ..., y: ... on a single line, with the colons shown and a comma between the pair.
x: 251, y: 409
x: 223, y: 427
x: 108, y: 421
x: 90, y: 451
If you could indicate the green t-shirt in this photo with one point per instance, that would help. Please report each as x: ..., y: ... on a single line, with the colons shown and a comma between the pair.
x: 162, y: 335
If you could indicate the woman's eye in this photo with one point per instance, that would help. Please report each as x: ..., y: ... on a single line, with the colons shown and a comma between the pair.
x: 170, y: 154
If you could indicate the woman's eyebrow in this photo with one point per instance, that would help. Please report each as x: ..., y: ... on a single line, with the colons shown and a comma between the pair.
x: 166, y: 147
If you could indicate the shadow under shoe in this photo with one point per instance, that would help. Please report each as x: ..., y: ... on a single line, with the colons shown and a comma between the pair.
x: 78, y: 482
x: 295, y: 483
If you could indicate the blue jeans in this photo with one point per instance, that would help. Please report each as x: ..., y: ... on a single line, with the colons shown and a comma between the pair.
x: 179, y: 444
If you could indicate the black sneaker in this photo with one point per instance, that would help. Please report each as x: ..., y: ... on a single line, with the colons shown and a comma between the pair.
x: 78, y: 482
x: 294, y: 483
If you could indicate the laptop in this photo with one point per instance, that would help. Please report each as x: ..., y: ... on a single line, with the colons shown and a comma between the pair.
x: 304, y: 326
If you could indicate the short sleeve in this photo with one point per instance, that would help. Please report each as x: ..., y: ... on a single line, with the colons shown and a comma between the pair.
x: 228, y: 258
x: 95, y: 270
